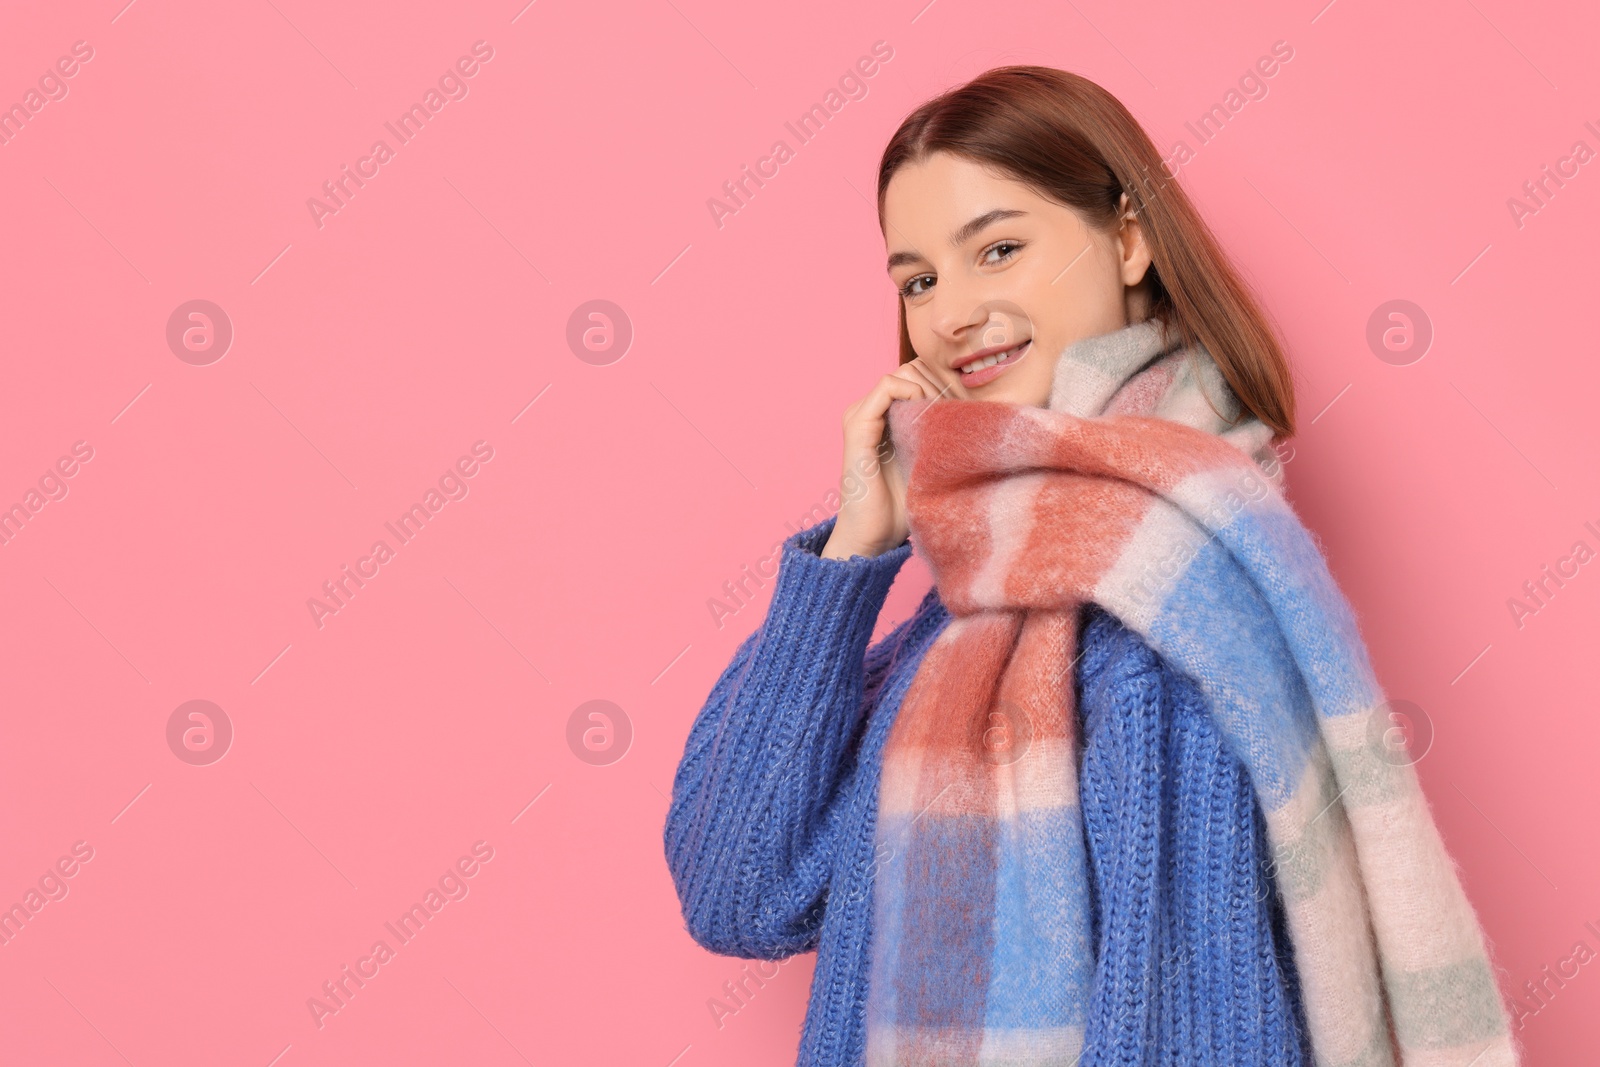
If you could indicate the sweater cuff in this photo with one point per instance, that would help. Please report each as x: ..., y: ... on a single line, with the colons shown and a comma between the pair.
x: 826, y: 587
x: 812, y: 540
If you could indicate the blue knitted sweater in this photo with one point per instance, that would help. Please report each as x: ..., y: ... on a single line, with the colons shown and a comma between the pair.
x: 769, y: 834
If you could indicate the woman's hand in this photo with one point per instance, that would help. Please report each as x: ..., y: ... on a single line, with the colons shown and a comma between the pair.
x: 872, y: 518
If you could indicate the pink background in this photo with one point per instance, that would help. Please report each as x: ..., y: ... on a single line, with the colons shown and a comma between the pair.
x: 428, y: 313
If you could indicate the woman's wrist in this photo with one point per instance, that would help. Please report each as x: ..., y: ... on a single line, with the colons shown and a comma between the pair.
x: 839, y: 547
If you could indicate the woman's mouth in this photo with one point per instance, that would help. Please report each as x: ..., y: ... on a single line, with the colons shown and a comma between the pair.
x: 981, y: 371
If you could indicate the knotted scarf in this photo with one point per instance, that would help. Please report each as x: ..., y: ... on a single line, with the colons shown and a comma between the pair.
x: 1142, y: 487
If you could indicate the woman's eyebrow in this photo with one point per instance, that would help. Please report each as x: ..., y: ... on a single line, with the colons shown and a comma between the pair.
x: 961, y: 234
x: 981, y: 221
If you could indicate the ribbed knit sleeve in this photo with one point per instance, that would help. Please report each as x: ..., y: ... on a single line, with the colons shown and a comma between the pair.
x: 749, y: 837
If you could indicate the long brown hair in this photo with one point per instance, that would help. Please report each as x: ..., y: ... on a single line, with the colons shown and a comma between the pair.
x: 1074, y: 142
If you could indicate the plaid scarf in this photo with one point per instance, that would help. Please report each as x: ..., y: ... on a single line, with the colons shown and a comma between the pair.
x: 1130, y: 490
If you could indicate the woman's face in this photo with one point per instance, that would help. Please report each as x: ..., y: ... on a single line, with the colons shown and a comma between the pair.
x: 988, y: 266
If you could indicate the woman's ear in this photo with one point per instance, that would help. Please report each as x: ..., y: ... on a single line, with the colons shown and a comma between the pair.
x: 1134, y: 252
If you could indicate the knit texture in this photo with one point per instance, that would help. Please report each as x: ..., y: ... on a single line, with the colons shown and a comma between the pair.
x: 769, y: 834
x: 1193, y: 965
x: 1128, y: 493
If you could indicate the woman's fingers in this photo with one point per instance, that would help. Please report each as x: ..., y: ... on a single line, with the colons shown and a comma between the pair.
x: 875, y: 404
x: 926, y: 380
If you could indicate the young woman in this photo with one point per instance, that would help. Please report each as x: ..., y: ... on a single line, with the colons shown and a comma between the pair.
x: 1027, y: 827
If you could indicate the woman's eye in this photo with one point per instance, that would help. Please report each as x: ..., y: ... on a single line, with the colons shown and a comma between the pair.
x: 909, y: 289
x: 1012, y: 246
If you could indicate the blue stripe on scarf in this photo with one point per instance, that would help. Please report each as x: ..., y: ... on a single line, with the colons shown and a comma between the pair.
x: 1273, y: 550
x: 1041, y: 970
x: 939, y: 986
x: 1261, y: 700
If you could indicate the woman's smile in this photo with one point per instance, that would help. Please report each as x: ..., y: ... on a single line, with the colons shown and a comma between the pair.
x: 988, y: 364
